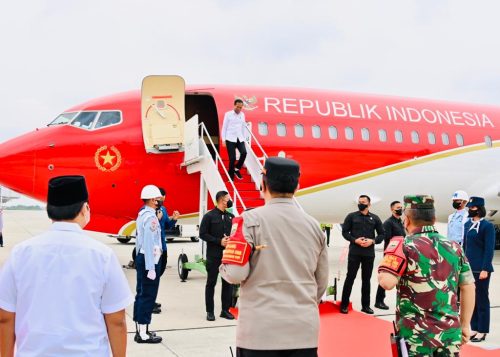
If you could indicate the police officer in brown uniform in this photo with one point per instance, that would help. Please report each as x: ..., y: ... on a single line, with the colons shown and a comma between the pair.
x: 286, y: 274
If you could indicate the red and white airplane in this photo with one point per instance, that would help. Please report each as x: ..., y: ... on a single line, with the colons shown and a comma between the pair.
x: 347, y: 144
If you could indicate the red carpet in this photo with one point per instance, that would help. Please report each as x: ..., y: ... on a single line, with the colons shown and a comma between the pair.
x: 357, y: 334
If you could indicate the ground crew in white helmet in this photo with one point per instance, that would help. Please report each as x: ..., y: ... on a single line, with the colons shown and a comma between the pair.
x: 148, y: 248
x: 457, y: 219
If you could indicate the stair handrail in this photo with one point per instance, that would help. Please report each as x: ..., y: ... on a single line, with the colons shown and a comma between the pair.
x: 218, y: 160
x: 264, y: 154
x: 264, y: 157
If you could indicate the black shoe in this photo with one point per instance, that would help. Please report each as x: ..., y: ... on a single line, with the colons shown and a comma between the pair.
x: 237, y: 173
x: 152, y: 338
x: 478, y: 339
x: 367, y: 310
x: 156, y: 310
x: 381, y: 305
x: 344, y: 310
x: 210, y: 316
x: 157, y: 305
x: 227, y: 315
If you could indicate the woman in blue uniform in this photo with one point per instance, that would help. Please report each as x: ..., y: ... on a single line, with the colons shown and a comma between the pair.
x: 479, y: 243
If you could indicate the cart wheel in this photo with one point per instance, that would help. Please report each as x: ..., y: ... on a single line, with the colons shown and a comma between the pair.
x: 124, y: 240
x: 195, y: 239
x: 183, y: 272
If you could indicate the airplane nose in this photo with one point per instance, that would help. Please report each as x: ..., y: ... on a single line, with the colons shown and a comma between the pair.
x: 17, y: 164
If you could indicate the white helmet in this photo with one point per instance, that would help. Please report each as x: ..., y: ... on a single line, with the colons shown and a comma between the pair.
x: 150, y: 191
x: 460, y: 195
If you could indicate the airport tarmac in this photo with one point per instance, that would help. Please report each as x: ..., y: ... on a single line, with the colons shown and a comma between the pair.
x: 182, y: 323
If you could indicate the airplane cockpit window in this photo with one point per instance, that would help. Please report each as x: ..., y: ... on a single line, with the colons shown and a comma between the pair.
x: 460, y: 140
x: 63, y: 118
x: 415, y: 137
x: 316, y: 131
x: 398, y: 136
x: 365, y: 134
x: 487, y: 141
x: 84, y: 120
x: 281, y: 129
x: 349, y: 133
x: 445, y: 139
x: 431, y: 138
x: 299, y: 130
x: 108, y: 118
x: 263, y: 130
x: 382, y: 135
x: 332, y: 132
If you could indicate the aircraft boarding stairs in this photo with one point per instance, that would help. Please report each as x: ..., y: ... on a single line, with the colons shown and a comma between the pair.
x: 201, y: 156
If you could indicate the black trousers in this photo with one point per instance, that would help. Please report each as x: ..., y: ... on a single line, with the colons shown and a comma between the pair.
x: 163, y: 262
x: 353, y: 263
x: 480, y: 321
x: 380, y: 297
x: 227, y: 289
x: 303, y: 352
x: 146, y: 291
x: 327, y: 231
x: 231, y: 151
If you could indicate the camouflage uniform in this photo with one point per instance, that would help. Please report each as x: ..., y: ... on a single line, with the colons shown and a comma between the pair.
x: 427, y: 311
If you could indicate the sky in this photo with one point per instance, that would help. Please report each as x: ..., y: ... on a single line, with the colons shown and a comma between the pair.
x: 59, y: 53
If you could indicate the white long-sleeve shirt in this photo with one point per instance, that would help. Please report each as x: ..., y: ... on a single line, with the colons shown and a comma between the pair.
x: 148, y: 235
x: 234, y: 127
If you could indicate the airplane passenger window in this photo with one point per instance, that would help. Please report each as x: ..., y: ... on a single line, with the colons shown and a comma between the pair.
x: 63, y: 118
x: 349, y: 133
x: 316, y: 131
x: 299, y: 130
x: 365, y: 134
x: 414, y: 137
x: 281, y: 129
x: 460, y: 140
x: 445, y: 139
x: 263, y: 130
x: 332, y: 132
x: 382, y: 135
x: 398, y: 136
x: 84, y: 120
x: 107, y: 119
x: 431, y: 138
x: 487, y: 141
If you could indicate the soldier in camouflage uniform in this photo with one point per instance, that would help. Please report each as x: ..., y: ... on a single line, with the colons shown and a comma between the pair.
x: 428, y: 270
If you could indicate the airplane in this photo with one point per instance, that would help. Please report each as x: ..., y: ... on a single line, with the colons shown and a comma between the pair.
x: 346, y: 143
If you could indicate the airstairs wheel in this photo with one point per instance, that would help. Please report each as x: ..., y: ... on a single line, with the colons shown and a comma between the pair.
x: 183, y: 272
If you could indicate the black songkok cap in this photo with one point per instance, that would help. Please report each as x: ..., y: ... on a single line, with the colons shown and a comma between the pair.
x: 276, y: 168
x: 67, y: 190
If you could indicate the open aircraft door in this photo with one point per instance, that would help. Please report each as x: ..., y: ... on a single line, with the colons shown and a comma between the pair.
x: 163, y: 113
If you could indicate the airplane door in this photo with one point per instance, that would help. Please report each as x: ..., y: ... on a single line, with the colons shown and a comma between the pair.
x: 163, y: 113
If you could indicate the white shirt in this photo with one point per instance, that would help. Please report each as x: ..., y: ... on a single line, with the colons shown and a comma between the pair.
x: 456, y: 222
x: 234, y: 127
x: 59, y: 284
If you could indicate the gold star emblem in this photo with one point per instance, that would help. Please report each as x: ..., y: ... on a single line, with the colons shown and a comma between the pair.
x: 108, y: 158
x: 109, y: 162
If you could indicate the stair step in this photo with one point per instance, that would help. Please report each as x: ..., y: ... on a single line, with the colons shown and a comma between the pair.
x: 254, y: 203
x: 244, y: 186
x: 249, y: 194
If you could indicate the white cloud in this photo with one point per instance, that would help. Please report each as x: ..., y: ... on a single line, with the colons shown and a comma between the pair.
x: 56, y: 54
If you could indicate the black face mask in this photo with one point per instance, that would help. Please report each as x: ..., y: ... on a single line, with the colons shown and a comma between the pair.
x: 456, y: 204
x: 399, y: 212
x: 473, y: 212
x: 229, y: 204
x: 362, y: 206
